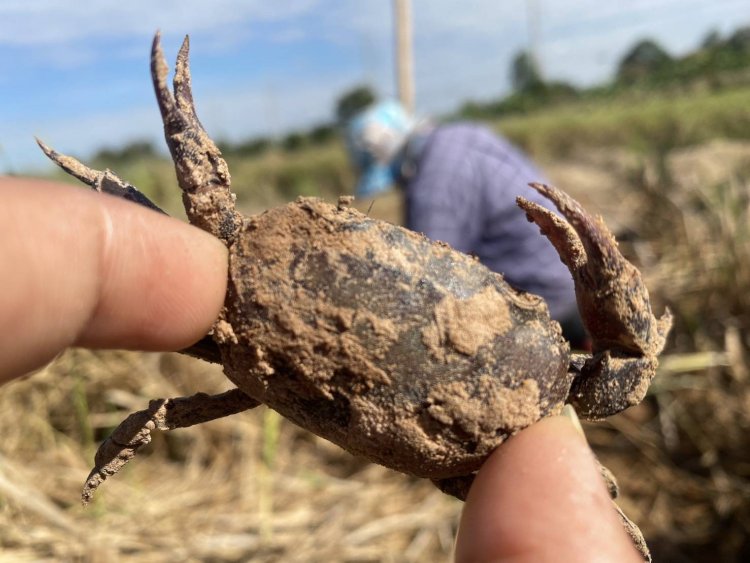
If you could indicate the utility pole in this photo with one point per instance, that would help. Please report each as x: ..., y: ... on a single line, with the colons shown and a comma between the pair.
x: 533, y: 16
x: 404, y: 57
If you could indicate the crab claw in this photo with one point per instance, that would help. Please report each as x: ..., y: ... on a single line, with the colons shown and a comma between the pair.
x: 613, y: 302
x: 202, y: 173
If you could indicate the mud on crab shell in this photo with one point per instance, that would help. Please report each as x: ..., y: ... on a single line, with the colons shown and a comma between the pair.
x: 394, y: 347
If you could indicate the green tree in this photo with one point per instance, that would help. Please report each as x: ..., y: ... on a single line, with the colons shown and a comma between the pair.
x: 740, y: 40
x: 132, y: 151
x: 321, y: 134
x: 711, y: 40
x: 646, y: 59
x: 353, y: 101
x: 293, y: 142
x: 249, y: 147
x: 524, y: 73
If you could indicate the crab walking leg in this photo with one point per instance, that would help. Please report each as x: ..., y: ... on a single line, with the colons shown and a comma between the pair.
x: 456, y: 486
x: 614, y: 306
x: 162, y: 414
x: 636, y: 536
x: 202, y: 173
x: 106, y: 182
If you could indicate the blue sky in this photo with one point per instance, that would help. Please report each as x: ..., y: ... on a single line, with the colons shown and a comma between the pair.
x: 76, y: 73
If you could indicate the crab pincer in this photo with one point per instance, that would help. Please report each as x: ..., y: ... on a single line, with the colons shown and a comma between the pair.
x: 614, y: 305
x: 202, y: 173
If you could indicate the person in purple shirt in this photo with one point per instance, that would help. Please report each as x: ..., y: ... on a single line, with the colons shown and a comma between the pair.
x: 460, y: 184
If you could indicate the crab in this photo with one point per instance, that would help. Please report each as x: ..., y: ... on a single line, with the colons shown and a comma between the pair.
x: 397, y: 348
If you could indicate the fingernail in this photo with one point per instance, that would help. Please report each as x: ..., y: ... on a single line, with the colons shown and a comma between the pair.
x: 570, y: 413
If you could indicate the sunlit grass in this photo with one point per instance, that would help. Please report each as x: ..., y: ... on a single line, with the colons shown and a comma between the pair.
x: 646, y: 124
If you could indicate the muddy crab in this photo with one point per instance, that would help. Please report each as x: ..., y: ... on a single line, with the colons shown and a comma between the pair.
x: 396, y: 348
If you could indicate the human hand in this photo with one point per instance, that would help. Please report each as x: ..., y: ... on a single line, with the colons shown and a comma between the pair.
x: 541, y: 497
x: 85, y: 269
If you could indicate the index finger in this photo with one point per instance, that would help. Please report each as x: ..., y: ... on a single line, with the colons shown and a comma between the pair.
x: 81, y: 268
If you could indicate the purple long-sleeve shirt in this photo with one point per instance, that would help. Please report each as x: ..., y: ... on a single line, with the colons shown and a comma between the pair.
x: 463, y: 192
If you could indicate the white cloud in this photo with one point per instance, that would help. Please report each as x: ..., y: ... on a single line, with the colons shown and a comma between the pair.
x: 51, y: 22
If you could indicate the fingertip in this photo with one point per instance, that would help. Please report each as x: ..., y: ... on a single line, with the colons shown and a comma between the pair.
x: 165, y: 285
x: 92, y: 270
x: 540, y: 497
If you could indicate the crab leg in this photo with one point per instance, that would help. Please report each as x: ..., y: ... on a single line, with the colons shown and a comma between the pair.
x: 106, y: 182
x: 202, y: 173
x: 614, y: 305
x: 162, y: 414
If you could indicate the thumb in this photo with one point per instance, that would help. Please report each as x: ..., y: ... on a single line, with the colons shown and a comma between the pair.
x: 540, y: 497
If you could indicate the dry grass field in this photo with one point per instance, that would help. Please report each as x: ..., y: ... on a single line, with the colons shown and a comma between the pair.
x: 255, y: 488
